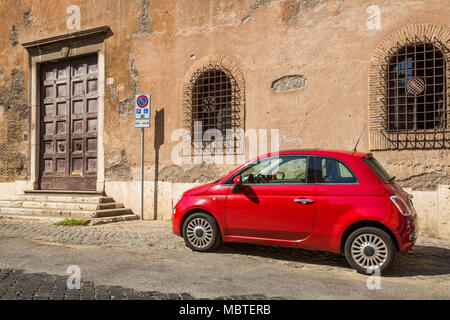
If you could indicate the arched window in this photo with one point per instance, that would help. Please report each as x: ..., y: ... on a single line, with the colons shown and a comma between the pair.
x: 213, y: 100
x: 416, y: 89
x: 408, y: 90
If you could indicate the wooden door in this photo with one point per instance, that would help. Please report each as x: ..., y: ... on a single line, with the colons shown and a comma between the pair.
x: 68, y: 125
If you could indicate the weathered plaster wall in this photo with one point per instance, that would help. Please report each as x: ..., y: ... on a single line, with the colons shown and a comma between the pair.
x: 305, y: 66
x: 14, y: 117
x: 323, y: 47
x: 14, y: 111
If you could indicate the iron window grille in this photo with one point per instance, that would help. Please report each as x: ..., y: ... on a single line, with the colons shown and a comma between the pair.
x: 214, y: 103
x: 415, y: 95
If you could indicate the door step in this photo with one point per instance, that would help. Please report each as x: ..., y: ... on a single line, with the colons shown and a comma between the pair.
x: 91, y: 222
x: 63, y: 198
x: 63, y: 192
x: 94, y: 207
x: 59, y: 205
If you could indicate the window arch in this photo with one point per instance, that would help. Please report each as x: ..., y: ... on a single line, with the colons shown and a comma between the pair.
x: 408, y: 90
x: 213, y: 98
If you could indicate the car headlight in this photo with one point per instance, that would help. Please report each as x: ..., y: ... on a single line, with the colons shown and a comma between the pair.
x: 179, y: 198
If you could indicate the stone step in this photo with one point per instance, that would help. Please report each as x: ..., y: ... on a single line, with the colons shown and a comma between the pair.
x: 58, y: 213
x: 92, y: 221
x: 63, y: 198
x: 32, y: 218
x: 70, y: 192
x: 112, y: 212
x: 126, y: 217
x: 60, y: 205
x: 57, y: 205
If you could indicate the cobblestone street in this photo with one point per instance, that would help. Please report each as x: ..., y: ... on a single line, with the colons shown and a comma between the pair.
x: 430, y: 258
x: 124, y: 234
x: 427, y: 265
x: 17, y: 285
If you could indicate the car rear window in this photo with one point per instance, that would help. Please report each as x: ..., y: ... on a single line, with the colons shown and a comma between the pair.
x: 378, y: 169
x: 332, y: 171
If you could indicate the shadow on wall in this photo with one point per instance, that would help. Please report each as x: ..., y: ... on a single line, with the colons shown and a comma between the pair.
x: 159, y: 141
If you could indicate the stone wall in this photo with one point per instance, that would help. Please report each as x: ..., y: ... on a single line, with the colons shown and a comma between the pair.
x: 14, y: 126
x: 433, y: 211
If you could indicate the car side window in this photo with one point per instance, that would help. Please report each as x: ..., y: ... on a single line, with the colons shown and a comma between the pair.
x: 277, y: 170
x: 332, y: 171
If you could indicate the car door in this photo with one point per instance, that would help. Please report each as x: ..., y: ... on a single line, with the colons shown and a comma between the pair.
x: 276, y: 200
x: 338, y: 192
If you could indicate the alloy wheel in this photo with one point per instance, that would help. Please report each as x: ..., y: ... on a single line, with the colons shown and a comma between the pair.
x: 369, y: 251
x: 199, y: 232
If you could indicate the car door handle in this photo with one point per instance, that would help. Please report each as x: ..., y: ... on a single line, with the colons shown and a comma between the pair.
x: 304, y: 201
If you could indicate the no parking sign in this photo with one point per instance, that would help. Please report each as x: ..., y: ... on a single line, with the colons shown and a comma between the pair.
x: 142, y: 106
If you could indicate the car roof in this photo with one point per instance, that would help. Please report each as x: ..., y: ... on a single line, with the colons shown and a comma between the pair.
x: 339, y: 154
x: 322, y: 152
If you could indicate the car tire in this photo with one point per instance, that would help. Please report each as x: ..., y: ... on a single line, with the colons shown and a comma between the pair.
x: 369, y: 248
x: 201, y: 232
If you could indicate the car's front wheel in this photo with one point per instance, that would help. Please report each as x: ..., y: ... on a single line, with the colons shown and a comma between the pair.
x: 201, y: 232
x: 368, y: 249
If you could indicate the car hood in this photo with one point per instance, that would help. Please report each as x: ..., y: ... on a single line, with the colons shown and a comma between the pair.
x: 198, y: 190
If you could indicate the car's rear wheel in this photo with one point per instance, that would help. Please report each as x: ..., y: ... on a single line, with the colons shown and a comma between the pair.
x: 201, y: 232
x: 368, y: 249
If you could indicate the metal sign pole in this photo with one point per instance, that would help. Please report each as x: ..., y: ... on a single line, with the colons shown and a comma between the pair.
x: 142, y: 173
x: 142, y: 120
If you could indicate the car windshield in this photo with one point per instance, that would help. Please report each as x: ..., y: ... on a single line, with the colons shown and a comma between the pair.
x: 379, y: 170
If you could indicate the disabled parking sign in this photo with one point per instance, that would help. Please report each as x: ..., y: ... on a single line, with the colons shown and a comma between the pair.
x: 142, y: 105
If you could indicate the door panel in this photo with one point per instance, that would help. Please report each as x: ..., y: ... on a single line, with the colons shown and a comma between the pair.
x: 276, y: 200
x: 270, y: 211
x: 68, y: 157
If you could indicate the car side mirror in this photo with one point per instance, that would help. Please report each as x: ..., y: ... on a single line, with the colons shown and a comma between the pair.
x: 237, y: 184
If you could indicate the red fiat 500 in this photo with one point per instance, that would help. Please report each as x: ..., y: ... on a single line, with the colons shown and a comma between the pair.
x: 337, y: 201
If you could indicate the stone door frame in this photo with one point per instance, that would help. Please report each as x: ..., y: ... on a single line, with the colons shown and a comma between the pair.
x: 86, y: 42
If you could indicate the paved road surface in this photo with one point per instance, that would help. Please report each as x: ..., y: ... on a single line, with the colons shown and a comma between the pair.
x: 145, y: 260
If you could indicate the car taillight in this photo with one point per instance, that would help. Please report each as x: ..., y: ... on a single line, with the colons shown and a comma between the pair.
x: 401, y: 205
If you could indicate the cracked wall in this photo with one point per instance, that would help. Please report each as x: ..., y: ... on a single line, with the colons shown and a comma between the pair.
x: 118, y: 167
x: 418, y: 170
x: 196, y: 174
x: 14, y: 114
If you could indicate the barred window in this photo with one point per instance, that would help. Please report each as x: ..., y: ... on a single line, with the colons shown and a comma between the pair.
x: 212, y: 101
x: 415, y: 101
x: 215, y: 103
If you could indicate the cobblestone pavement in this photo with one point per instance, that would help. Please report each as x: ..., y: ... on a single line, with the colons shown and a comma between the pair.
x: 17, y: 285
x: 134, y: 233
x: 428, y: 260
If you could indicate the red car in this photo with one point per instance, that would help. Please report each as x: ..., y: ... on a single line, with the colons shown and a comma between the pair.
x: 337, y: 201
